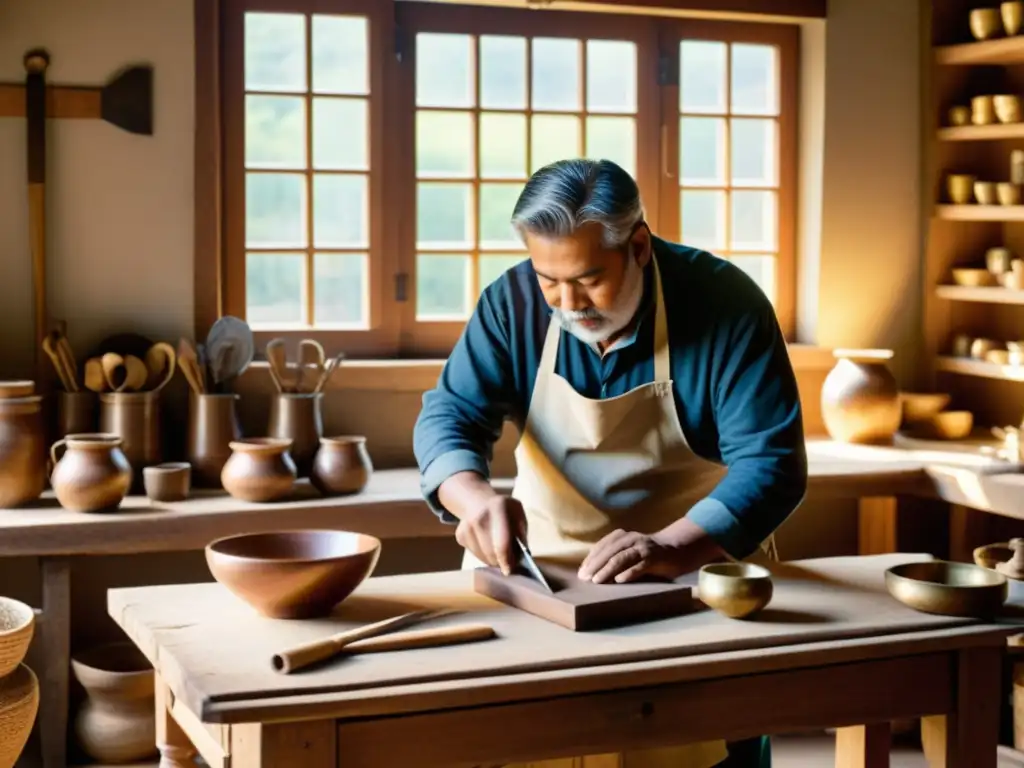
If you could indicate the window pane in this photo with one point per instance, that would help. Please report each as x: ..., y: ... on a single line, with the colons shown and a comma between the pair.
x: 340, y: 288
x: 753, y: 221
x: 340, y: 134
x: 761, y: 269
x: 275, y: 132
x: 556, y: 74
x: 754, y: 81
x: 502, y: 72
x: 444, y: 144
x: 442, y: 286
x: 702, y: 66
x: 275, y: 52
x: 611, y: 76
x: 497, y: 201
x: 753, y: 152
x: 274, y: 284
x: 444, y: 216
x: 702, y: 217
x: 340, y: 55
x: 340, y: 211
x: 702, y: 150
x: 275, y: 210
x: 492, y: 266
x: 553, y: 137
x: 613, y: 138
x: 444, y: 70
x: 502, y: 146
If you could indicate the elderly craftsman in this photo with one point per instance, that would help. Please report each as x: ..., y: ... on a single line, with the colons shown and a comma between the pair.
x: 659, y: 415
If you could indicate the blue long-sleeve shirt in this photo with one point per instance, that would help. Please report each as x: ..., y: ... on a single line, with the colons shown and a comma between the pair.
x: 735, y: 390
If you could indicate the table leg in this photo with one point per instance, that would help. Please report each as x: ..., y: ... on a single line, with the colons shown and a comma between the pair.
x: 863, y: 746
x: 310, y: 744
x: 176, y: 751
x: 969, y: 737
x: 876, y: 525
x: 55, y: 655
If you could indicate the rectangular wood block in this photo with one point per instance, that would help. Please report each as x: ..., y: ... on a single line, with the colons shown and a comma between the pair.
x: 582, y: 605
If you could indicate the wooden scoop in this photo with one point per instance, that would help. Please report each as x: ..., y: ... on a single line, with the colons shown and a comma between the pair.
x: 95, y: 379
x: 161, y: 362
x: 114, y: 372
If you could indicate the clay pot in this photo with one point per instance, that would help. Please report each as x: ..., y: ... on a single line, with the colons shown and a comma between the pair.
x: 342, y: 465
x: 212, y: 425
x: 22, y: 450
x: 860, y: 402
x: 92, y: 475
x: 297, y: 417
x: 260, y: 469
x: 117, y: 721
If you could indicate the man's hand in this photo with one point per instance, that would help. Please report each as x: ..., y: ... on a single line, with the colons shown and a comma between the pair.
x: 488, y: 531
x: 624, y: 556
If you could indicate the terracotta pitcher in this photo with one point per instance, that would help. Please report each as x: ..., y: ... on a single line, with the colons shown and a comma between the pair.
x: 117, y: 722
x: 297, y: 417
x: 342, y: 465
x: 860, y: 401
x: 260, y: 469
x: 212, y: 426
x: 22, y: 450
x: 92, y: 475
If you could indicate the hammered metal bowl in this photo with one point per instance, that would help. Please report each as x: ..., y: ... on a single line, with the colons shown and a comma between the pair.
x: 736, y: 590
x: 948, y: 588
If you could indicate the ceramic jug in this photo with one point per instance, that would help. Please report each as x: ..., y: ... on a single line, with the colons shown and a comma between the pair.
x: 92, y: 475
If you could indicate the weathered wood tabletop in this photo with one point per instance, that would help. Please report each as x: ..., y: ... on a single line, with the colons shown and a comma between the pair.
x: 846, y: 651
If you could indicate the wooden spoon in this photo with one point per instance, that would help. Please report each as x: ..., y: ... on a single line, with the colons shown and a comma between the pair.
x: 278, y: 360
x: 136, y: 374
x: 95, y: 379
x: 114, y: 371
x: 161, y: 362
x: 311, y: 360
x: 328, y: 371
x: 67, y: 377
x: 189, y: 365
x: 68, y: 358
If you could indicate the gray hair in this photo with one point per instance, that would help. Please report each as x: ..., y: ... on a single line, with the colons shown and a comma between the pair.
x: 563, y: 196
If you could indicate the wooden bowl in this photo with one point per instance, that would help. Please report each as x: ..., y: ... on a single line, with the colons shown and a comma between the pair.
x: 17, y: 625
x: 973, y: 277
x: 737, y: 590
x: 947, y: 588
x: 21, y: 388
x: 921, y: 406
x: 293, y: 574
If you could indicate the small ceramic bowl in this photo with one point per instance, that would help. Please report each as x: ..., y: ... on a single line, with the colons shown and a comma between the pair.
x: 973, y: 277
x: 736, y: 590
x: 985, y: 23
x: 1007, y: 193
x: 951, y: 425
x: 985, y: 192
x: 170, y: 481
x: 1007, y: 108
x: 921, y: 406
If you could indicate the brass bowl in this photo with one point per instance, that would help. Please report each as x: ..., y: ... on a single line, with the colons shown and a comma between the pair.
x: 960, y: 187
x: 990, y: 555
x: 736, y: 590
x: 986, y: 23
x: 947, y: 588
x: 973, y: 277
x: 301, y: 574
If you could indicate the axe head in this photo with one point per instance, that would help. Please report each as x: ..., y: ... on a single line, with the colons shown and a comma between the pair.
x: 127, y: 100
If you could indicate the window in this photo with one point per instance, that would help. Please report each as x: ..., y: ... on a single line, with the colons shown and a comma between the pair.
x: 373, y: 152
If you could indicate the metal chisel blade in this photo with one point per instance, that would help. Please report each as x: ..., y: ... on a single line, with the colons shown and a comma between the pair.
x: 527, y: 561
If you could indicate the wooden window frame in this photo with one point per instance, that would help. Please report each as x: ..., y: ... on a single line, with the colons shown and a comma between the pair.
x: 219, y: 275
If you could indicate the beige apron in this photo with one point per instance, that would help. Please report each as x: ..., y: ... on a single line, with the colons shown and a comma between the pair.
x: 587, y: 467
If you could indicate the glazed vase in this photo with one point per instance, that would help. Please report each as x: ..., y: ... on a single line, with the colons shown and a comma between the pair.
x: 860, y: 400
x: 92, y: 475
x: 260, y: 469
x: 117, y: 721
x: 22, y: 450
x: 341, y: 466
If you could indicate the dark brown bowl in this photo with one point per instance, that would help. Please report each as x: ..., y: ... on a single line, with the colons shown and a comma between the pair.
x: 293, y: 574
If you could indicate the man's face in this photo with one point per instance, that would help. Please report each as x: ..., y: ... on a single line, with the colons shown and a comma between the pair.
x: 594, y: 291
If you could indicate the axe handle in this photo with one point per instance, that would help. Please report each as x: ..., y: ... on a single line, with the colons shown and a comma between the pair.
x: 62, y: 102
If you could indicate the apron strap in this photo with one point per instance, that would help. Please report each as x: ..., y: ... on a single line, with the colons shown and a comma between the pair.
x: 550, y: 350
x: 662, y: 360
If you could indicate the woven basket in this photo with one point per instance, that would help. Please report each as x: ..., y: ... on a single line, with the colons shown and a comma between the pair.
x: 17, y: 623
x: 19, y: 702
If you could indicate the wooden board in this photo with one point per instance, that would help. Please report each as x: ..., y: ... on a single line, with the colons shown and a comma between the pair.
x: 580, y: 605
x: 214, y: 651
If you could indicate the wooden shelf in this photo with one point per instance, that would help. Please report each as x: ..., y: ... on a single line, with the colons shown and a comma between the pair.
x: 968, y: 367
x: 1005, y: 50
x: 984, y: 295
x: 975, y: 212
x: 993, y: 132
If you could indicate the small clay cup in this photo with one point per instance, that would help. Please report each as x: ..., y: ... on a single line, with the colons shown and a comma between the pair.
x: 260, y: 469
x: 92, y: 475
x: 170, y: 481
x: 341, y: 466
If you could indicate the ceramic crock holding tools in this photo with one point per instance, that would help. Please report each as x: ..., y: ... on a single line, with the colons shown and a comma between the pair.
x: 341, y: 466
x: 22, y: 450
x: 93, y: 473
x: 212, y: 427
x: 297, y: 416
x: 135, y: 418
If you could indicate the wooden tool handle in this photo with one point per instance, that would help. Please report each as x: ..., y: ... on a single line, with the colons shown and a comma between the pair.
x: 318, y: 650
x: 422, y: 638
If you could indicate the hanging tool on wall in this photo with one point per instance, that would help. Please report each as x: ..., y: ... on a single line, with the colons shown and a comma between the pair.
x: 126, y: 101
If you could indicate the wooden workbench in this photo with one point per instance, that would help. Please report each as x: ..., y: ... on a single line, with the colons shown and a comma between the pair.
x: 392, y: 507
x: 832, y: 649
